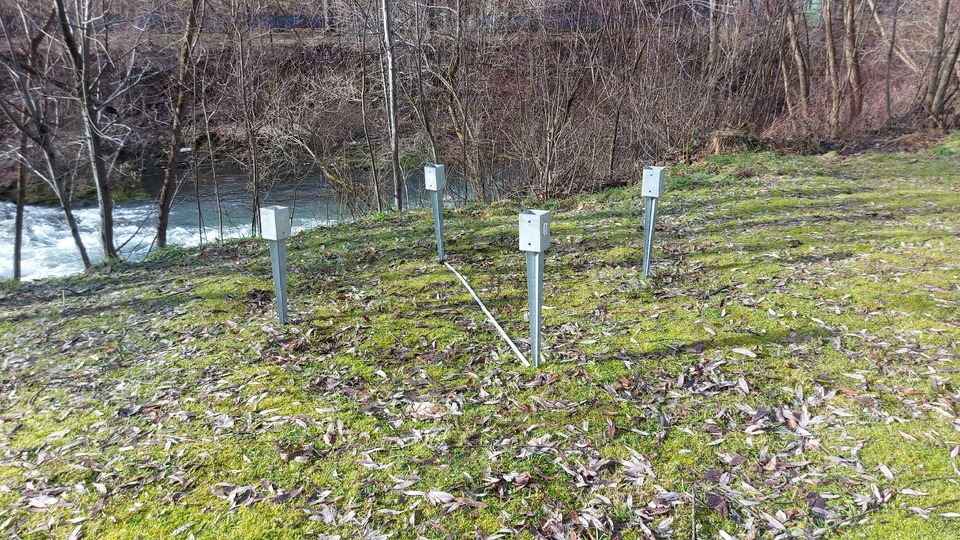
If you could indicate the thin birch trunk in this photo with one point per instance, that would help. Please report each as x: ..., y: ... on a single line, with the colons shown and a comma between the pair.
x: 391, y: 95
x: 836, y: 92
x: 936, y: 57
x: 800, y: 61
x: 21, y: 203
x: 179, y: 112
x: 893, y: 42
x: 851, y: 54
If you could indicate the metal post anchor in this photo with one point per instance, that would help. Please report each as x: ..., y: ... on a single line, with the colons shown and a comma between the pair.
x: 438, y: 222
x: 651, y: 189
x: 534, y: 241
x: 278, y: 258
x: 275, y: 228
x: 535, y: 301
x: 649, y: 224
x: 434, y: 180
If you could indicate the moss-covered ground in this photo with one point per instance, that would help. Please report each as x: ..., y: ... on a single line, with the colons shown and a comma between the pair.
x: 790, y: 369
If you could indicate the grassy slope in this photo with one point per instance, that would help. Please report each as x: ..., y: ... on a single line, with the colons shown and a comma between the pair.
x: 793, y: 365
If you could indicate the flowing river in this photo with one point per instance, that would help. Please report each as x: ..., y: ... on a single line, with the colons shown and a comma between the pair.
x: 49, y: 250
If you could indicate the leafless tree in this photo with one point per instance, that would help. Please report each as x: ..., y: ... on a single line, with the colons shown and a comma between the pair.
x: 179, y: 111
x: 32, y: 115
x: 247, y: 81
x: 851, y: 55
x: 390, y: 91
x: 22, y: 177
x: 89, y: 61
x: 542, y: 98
x: 942, y: 76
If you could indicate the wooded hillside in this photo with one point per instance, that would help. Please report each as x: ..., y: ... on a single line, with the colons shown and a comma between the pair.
x: 538, y: 98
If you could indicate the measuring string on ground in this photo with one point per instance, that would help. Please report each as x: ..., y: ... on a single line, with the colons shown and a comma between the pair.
x: 534, y: 234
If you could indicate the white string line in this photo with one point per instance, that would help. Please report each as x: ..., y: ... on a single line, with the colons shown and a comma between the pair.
x: 503, y: 334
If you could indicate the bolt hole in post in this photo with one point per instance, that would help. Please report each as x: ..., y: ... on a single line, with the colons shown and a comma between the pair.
x: 434, y: 180
x: 275, y: 229
x: 534, y: 241
x: 651, y: 189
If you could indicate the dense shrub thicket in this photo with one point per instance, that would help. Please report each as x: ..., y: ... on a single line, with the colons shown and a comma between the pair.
x: 540, y: 98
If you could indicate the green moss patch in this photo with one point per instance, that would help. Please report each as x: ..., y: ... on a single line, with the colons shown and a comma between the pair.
x: 790, y: 369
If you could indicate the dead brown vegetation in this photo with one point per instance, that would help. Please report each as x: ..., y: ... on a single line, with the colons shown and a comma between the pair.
x: 517, y: 99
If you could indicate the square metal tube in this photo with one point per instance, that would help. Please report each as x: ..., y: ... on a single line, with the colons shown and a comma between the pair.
x: 438, y: 221
x: 535, y: 301
x: 649, y: 223
x: 278, y: 259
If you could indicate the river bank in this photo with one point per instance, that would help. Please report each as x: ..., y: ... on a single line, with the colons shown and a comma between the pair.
x: 215, y: 208
x: 210, y: 211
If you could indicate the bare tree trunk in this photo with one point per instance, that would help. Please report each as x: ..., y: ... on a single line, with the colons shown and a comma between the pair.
x: 249, y: 122
x: 836, y: 98
x: 78, y: 43
x: 714, y: 52
x: 21, y: 203
x: 104, y: 197
x: 33, y: 123
x: 455, y: 80
x: 851, y: 54
x: 942, y: 74
x: 213, y: 168
x: 936, y: 57
x: 893, y: 43
x: 375, y: 171
x: 787, y: 93
x: 179, y: 111
x: 612, y: 149
x: 946, y: 79
x: 67, y: 207
x: 391, y: 94
x: 53, y: 176
x: 59, y: 189
x: 624, y: 82
x: 424, y: 110
x: 800, y: 61
x: 892, y: 39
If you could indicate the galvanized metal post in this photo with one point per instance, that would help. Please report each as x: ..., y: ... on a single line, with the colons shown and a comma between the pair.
x: 434, y: 179
x: 278, y: 259
x: 438, y: 222
x: 651, y: 189
x: 534, y: 240
x: 649, y: 223
x: 535, y: 301
x: 275, y: 228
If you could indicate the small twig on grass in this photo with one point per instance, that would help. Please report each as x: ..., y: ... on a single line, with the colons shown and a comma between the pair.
x: 931, y: 479
x: 939, y: 504
x: 693, y: 514
x: 33, y: 397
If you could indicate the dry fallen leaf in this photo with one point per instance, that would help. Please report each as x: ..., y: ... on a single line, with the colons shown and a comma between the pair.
x: 42, y: 501
x: 286, y: 496
x: 77, y: 533
x: 424, y: 410
x: 222, y: 421
x: 436, y: 497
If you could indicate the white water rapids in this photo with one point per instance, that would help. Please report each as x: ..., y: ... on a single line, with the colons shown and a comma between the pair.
x: 49, y: 249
